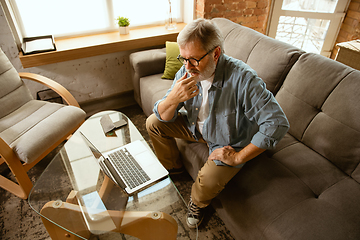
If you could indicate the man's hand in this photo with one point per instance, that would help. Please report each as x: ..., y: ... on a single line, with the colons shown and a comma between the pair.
x: 184, y: 89
x: 229, y: 156
x: 225, y: 154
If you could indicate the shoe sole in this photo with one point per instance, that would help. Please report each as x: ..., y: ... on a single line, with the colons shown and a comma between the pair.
x: 194, y: 226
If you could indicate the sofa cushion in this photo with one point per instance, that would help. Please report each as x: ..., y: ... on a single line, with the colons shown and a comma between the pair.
x: 320, y: 218
x: 152, y: 88
x: 260, y: 193
x: 320, y: 98
x: 172, y: 64
x: 315, y: 171
x: 225, y: 26
x: 269, y: 200
x: 271, y: 59
x: 235, y: 36
x: 146, y: 63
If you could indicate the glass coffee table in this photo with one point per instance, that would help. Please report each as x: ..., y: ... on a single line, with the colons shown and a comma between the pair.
x: 76, y: 200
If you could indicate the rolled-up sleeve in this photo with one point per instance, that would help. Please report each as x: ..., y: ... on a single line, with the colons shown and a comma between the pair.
x: 264, y: 141
x: 262, y: 107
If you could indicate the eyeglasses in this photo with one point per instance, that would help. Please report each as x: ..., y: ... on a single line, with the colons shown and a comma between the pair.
x: 192, y: 61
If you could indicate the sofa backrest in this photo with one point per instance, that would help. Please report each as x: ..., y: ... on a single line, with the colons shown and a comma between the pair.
x: 13, y: 92
x: 321, y: 99
x: 270, y: 58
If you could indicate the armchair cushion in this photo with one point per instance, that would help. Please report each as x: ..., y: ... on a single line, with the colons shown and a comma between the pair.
x: 44, y: 121
x: 13, y: 92
x: 172, y: 64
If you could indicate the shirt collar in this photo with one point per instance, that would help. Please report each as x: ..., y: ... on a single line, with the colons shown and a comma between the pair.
x: 219, y: 72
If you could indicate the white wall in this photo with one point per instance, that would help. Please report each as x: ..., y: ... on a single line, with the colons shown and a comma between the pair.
x: 86, y: 78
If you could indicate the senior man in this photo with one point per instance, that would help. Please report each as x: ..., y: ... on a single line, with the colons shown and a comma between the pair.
x: 225, y: 104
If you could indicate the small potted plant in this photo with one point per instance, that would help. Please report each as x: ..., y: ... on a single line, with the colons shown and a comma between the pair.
x: 123, y: 23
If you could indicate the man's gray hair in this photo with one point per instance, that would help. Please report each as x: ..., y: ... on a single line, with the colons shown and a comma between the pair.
x: 206, y: 32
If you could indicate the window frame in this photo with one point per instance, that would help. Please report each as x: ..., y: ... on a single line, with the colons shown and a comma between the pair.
x: 12, y: 16
x: 336, y: 18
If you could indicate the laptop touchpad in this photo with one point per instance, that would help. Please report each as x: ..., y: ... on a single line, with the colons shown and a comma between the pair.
x: 136, y: 147
x: 144, y: 159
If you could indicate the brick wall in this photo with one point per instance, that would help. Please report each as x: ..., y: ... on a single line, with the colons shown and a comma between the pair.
x: 350, y: 29
x: 249, y: 13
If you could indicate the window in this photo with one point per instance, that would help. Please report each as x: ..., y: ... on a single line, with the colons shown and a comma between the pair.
x: 307, y: 24
x: 64, y: 18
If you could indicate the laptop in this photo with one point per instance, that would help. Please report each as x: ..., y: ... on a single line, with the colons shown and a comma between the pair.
x: 132, y: 166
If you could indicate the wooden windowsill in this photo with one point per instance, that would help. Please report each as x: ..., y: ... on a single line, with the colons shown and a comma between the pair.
x: 93, y: 45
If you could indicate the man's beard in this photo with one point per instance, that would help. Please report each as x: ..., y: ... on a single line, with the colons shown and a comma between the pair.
x: 206, y: 73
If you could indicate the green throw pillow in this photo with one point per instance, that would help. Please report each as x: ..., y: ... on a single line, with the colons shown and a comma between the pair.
x: 172, y: 65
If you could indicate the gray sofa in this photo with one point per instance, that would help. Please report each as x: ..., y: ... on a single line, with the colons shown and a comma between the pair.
x: 308, y: 187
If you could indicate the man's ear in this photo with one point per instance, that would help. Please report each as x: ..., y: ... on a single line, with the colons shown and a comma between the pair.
x: 217, y: 53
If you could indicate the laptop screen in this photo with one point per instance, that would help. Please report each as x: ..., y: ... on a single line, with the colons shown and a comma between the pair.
x: 93, y: 149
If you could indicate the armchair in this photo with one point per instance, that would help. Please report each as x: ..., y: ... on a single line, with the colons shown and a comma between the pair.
x: 30, y: 129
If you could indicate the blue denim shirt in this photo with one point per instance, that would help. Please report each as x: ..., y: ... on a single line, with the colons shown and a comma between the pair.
x: 241, y: 110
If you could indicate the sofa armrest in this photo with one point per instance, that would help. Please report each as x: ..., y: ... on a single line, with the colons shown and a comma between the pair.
x: 146, y: 63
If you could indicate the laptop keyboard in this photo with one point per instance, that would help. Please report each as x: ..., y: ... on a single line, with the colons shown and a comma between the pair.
x: 131, y: 171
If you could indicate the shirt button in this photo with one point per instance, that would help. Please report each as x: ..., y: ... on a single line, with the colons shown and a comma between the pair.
x: 192, y: 123
x: 200, y: 94
x: 196, y: 109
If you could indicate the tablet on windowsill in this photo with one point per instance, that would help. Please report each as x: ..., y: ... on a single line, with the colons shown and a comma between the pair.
x: 39, y: 44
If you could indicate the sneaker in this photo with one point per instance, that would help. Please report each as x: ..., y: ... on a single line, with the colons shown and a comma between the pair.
x: 195, y: 215
x: 175, y: 171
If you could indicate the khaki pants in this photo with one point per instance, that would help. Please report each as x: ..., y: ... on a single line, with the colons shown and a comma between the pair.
x: 211, y: 179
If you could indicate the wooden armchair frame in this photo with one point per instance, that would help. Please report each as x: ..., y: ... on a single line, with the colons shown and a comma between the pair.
x: 24, y: 185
